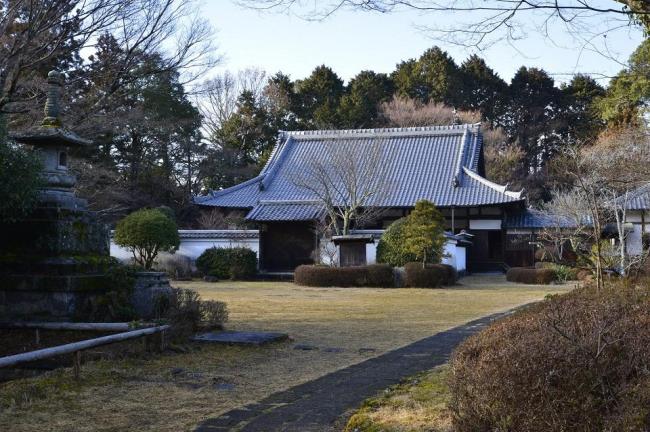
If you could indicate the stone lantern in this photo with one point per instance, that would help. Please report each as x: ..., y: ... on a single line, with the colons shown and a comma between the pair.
x: 52, y: 141
x: 53, y: 261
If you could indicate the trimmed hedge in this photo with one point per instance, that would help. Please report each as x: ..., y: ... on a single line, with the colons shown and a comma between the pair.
x: 431, y: 276
x: 535, y: 276
x: 376, y: 275
x: 228, y: 263
x: 546, y: 368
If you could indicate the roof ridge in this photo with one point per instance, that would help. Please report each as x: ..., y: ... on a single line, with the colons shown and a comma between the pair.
x: 493, y: 185
x: 431, y: 128
x: 288, y: 202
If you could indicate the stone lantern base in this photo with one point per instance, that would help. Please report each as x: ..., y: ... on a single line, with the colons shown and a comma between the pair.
x: 52, y: 263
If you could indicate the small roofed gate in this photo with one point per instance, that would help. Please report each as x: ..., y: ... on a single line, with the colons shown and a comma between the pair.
x: 352, y: 254
x: 352, y: 249
x: 286, y: 245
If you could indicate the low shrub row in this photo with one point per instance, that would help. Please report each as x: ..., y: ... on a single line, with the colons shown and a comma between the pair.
x: 228, y: 263
x: 575, y: 362
x: 537, y: 276
x: 376, y: 275
x: 429, y: 276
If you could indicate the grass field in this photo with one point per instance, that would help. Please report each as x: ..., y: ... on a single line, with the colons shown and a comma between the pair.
x: 175, y: 391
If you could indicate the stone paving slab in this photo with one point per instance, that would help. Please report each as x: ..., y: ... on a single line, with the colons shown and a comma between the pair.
x: 317, y: 405
x: 240, y: 337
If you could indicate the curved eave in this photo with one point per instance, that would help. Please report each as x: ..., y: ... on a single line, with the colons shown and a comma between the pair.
x: 516, y: 196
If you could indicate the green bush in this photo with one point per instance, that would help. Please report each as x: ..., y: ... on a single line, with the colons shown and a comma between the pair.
x: 376, y: 275
x: 145, y: 233
x: 563, y: 273
x: 114, y: 302
x: 19, y: 179
x: 228, y: 263
x: 429, y: 276
x: 535, y: 276
x: 575, y: 362
x: 390, y: 249
x: 424, y: 233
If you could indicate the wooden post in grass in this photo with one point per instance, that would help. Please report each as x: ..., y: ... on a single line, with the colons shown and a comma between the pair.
x: 76, y: 364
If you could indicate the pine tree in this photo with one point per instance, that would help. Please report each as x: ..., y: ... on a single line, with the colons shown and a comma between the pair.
x: 424, y: 233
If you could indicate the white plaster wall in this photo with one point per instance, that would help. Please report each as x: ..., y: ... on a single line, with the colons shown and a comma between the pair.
x: 371, y: 252
x: 193, y: 247
x: 634, y: 239
x: 456, y: 256
x: 485, y: 224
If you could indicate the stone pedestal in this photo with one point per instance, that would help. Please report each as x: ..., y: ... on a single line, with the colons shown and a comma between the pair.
x: 52, y: 264
x: 150, y: 288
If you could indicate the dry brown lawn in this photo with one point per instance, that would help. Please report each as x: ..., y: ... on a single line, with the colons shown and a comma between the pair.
x: 175, y: 391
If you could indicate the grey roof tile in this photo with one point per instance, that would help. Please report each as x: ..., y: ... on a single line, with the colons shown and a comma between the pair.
x: 536, y: 219
x: 286, y: 211
x: 639, y: 199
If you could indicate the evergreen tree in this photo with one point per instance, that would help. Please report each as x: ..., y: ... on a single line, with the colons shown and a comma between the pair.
x: 424, y: 233
x: 628, y: 97
x: 580, y: 114
x: 532, y: 115
x: 407, y: 83
x: 319, y: 96
x: 360, y: 105
x: 440, y: 76
x: 482, y: 90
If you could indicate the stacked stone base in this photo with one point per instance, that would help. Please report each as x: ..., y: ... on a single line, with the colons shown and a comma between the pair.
x: 52, y: 264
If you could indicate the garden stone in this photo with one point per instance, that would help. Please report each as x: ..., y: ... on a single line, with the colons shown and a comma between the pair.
x: 305, y: 347
x: 240, y: 337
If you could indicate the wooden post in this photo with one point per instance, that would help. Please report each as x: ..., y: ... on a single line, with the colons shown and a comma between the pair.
x: 38, y: 337
x: 163, y: 341
x: 76, y: 364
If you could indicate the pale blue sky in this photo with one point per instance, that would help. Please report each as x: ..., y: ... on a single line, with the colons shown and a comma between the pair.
x: 353, y: 41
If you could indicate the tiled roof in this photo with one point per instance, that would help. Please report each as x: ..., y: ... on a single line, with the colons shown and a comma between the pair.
x: 286, y: 211
x: 218, y: 234
x: 639, y: 199
x: 437, y: 163
x: 536, y: 219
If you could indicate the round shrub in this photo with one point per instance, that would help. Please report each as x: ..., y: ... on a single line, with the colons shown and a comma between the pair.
x: 390, y: 249
x: 376, y: 275
x: 145, y: 233
x: 575, y: 362
x: 430, y: 275
x: 228, y: 263
x: 535, y: 276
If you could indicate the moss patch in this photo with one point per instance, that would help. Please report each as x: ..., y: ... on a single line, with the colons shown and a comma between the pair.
x: 418, y: 404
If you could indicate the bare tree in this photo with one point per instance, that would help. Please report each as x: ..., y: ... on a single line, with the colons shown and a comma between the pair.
x: 481, y: 24
x: 36, y: 34
x: 604, y: 174
x: 407, y: 112
x: 217, y: 97
x: 349, y: 181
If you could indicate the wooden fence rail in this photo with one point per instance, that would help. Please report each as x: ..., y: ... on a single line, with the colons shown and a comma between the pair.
x: 76, y: 347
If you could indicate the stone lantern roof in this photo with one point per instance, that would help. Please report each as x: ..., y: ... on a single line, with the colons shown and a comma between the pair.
x: 51, y: 133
